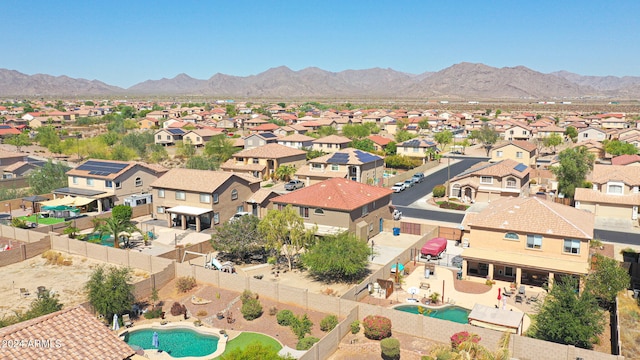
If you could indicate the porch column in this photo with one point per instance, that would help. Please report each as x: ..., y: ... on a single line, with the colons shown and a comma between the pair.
x: 518, y: 275
x: 198, y: 223
x: 490, y: 274
x: 183, y: 219
x: 99, y: 205
x: 464, y: 268
x: 550, y: 282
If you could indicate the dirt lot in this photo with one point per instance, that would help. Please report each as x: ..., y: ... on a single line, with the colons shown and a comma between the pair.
x: 66, y: 281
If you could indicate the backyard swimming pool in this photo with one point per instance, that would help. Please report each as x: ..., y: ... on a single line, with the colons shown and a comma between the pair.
x: 449, y: 313
x: 177, y: 342
x: 105, y: 240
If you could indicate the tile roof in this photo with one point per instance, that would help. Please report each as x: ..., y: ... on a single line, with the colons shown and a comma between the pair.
x: 261, y: 195
x: 595, y: 196
x: 265, y: 127
x: 625, y: 159
x: 534, y: 215
x: 296, y: 137
x: 348, y: 156
x: 380, y: 140
x: 332, y: 139
x: 269, y: 151
x: 157, y: 169
x: 198, y: 180
x: 336, y: 193
x: 70, y: 334
x: 602, y: 174
x: 522, y: 144
x: 499, y: 169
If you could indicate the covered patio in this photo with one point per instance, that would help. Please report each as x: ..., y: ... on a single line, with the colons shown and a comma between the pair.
x: 190, y: 217
x: 104, y: 201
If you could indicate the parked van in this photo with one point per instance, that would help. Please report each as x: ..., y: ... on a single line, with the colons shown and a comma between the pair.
x: 418, y: 177
x: 434, y: 248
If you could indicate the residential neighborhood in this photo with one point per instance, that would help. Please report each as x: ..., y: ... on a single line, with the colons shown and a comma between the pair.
x: 527, y: 204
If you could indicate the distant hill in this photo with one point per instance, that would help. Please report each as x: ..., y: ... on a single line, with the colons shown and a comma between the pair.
x: 460, y: 81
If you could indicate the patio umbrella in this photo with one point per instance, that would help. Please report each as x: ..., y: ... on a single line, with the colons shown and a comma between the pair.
x: 154, y: 340
x: 499, y: 294
x: 115, y: 325
x: 413, y: 290
x: 400, y: 266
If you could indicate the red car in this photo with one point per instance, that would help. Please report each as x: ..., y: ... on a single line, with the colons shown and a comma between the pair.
x: 434, y: 248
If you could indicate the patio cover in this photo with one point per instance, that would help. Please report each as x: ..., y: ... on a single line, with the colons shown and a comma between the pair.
x: 570, y: 265
x: 81, y: 201
x: 324, y: 230
x: 188, y: 210
x: 67, y: 200
x: 496, y: 319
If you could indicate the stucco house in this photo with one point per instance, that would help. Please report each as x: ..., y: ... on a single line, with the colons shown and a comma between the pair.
x: 296, y: 141
x: 591, y: 133
x: 263, y: 161
x: 200, y: 199
x: 614, y: 193
x: 168, y: 136
x: 518, y: 150
x: 331, y: 143
x: 338, y: 205
x: 416, y: 148
x: 350, y: 163
x: 487, y: 181
x: 526, y: 240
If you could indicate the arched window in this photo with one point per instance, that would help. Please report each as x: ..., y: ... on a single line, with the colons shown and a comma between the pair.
x: 318, y: 211
x: 234, y: 194
x: 511, y: 183
x: 511, y: 236
x: 138, y: 181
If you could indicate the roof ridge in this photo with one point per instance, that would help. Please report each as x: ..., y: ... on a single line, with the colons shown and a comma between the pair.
x: 542, y: 202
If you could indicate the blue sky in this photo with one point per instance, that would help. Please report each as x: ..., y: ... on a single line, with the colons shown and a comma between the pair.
x: 126, y: 42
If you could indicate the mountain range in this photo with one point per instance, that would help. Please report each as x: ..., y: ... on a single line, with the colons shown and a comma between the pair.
x: 458, y: 82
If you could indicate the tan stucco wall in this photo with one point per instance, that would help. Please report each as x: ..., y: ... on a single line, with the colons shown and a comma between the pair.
x: 510, y: 152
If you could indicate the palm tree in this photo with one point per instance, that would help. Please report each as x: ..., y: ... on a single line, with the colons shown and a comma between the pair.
x: 115, y: 227
x: 284, y: 172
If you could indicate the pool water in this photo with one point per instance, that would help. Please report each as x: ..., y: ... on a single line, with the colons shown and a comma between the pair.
x: 450, y: 313
x: 175, y: 342
x: 105, y: 240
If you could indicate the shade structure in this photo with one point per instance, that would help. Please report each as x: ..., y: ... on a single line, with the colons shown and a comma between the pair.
x: 81, y: 201
x: 116, y: 324
x: 400, y: 266
x: 59, y: 201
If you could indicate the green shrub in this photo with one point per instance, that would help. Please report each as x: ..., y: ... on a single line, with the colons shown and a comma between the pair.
x: 152, y: 314
x: 246, y: 295
x: 439, y: 191
x: 301, y: 326
x: 376, y: 327
x: 390, y: 348
x: 328, y: 323
x: 251, y: 309
x: 306, y: 343
x: 355, y: 327
x: 285, y: 317
x: 178, y: 309
x: 185, y: 283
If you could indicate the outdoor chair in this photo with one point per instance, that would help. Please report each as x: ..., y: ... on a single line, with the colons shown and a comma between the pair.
x: 533, y: 298
x: 126, y: 320
x: 24, y: 292
x: 506, y: 293
x: 519, y: 299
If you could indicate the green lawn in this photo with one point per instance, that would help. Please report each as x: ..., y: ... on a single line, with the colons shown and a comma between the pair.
x: 45, y: 221
x: 246, y: 338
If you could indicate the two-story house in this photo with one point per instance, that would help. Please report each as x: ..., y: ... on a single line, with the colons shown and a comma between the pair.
x: 168, y: 136
x: 526, y: 240
x: 259, y: 139
x: 200, y: 199
x: 488, y: 181
x: 416, y: 148
x: 350, y: 163
x: 263, y: 161
x: 338, y: 205
x: 296, y: 141
x: 101, y: 184
x: 614, y: 193
x: 331, y: 143
x: 521, y: 151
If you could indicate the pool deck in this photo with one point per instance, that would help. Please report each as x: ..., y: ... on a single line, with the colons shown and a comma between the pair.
x: 442, y: 282
x: 155, y: 355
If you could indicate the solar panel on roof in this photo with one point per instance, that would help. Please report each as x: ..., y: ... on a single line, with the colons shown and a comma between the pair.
x: 520, y: 167
x: 101, y: 168
x: 5, y: 127
x: 268, y: 135
x: 366, y: 157
x: 175, y: 131
x: 339, y: 158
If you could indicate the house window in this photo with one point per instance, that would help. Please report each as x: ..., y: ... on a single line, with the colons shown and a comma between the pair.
x: 614, y: 188
x: 511, y: 183
x: 508, y: 271
x: 329, y: 146
x: 161, y: 193
x: 138, y: 181
x: 234, y: 194
x: 216, y: 218
x: 511, y: 236
x: 181, y: 195
x: 108, y: 183
x: 534, y: 241
x: 74, y: 179
x: 168, y: 137
x: 159, y: 137
x: 118, y: 185
x: 160, y: 209
x: 318, y: 167
x: 256, y: 161
x: 486, y: 180
x: 335, y: 167
x: 519, y: 154
x: 239, y: 208
x: 304, y: 212
x: 415, y: 149
x: 572, y: 246
x: 318, y: 211
x: 89, y: 182
x: 215, y: 198
x: 280, y: 207
x: 365, y: 209
x: 205, y: 198
x: 499, y: 154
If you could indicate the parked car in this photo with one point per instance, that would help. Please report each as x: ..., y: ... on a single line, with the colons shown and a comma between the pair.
x: 457, y: 261
x: 434, y: 248
x: 238, y: 215
x: 418, y: 177
x: 397, y: 187
x: 408, y: 183
x: 293, y: 185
